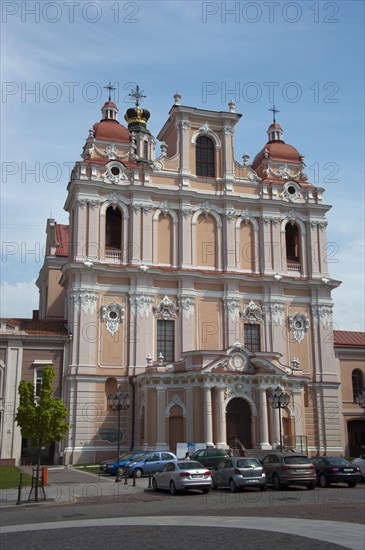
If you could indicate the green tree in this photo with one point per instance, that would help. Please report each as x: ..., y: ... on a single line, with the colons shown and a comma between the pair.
x: 41, y: 419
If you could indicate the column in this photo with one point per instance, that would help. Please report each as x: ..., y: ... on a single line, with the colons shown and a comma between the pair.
x: 221, y: 419
x: 189, y: 402
x: 93, y: 232
x: 207, y: 416
x: 161, y: 418
x: 79, y: 232
x: 276, y: 427
x: 298, y: 414
x: 263, y: 420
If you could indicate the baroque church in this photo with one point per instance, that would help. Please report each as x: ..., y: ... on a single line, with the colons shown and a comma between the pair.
x: 197, y: 284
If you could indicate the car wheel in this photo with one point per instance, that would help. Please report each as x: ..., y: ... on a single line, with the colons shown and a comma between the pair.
x: 352, y: 484
x: 154, y: 485
x: 173, y: 488
x: 277, y: 483
x: 137, y: 472
x: 323, y: 481
x: 311, y: 485
x: 263, y: 487
x: 232, y: 486
x: 206, y: 490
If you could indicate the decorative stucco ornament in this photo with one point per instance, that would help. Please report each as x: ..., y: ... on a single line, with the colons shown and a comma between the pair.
x: 112, y: 314
x: 166, y: 308
x: 298, y: 325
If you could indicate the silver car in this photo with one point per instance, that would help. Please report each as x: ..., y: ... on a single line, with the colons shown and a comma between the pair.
x: 182, y: 476
x: 238, y: 473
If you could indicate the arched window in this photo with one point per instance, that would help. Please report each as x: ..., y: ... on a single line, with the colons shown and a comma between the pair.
x: 357, y: 382
x: 292, y: 242
x: 205, y: 162
x: 113, y: 228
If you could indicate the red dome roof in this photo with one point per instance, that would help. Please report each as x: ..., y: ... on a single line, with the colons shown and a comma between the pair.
x: 111, y: 130
x: 278, y: 151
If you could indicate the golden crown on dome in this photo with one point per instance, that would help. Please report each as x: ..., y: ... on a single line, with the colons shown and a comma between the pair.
x: 136, y: 116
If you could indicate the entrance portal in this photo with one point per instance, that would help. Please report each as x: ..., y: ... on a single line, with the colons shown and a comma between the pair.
x: 238, y: 421
x: 356, y: 434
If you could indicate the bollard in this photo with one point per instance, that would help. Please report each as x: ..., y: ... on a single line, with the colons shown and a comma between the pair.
x: 149, y: 480
x: 134, y: 478
x: 125, y: 476
x: 19, y: 501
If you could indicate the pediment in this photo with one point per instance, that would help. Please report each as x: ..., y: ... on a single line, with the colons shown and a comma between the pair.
x: 239, y: 359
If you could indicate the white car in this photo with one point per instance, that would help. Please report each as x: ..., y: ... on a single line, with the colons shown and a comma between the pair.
x: 360, y: 462
x: 182, y: 476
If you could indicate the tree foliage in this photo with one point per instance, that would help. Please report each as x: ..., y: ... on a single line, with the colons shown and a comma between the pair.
x: 42, y: 420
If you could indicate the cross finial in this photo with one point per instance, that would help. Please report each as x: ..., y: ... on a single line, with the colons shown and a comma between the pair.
x: 137, y: 94
x: 110, y: 88
x: 274, y: 111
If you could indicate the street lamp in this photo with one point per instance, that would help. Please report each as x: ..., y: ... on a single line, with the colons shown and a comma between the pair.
x: 119, y: 402
x: 278, y: 400
x: 360, y: 399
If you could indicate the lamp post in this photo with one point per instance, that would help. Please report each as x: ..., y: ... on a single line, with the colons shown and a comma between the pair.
x: 360, y: 399
x: 119, y: 402
x: 278, y: 400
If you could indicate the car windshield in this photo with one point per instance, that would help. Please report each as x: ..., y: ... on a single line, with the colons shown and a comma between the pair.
x: 296, y: 460
x: 248, y: 463
x: 189, y: 465
x: 338, y: 461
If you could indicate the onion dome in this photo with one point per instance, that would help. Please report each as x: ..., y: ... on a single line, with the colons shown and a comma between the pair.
x: 109, y: 129
x: 137, y: 118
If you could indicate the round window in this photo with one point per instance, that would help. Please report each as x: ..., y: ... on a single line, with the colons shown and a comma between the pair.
x: 115, y: 170
x: 291, y: 190
x: 298, y: 324
x: 113, y: 315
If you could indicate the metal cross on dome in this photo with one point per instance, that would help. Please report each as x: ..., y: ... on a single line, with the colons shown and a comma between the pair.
x: 136, y: 94
x: 110, y: 88
x: 274, y: 111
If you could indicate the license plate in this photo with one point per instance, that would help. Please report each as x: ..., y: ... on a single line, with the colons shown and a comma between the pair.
x: 251, y: 480
x: 301, y: 471
x: 348, y: 470
x: 197, y: 475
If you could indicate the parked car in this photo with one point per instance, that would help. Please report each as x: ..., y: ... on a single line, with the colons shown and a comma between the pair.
x: 360, y: 462
x: 283, y: 469
x: 150, y: 463
x: 112, y: 468
x: 239, y: 472
x: 182, y: 476
x: 210, y: 457
x: 335, y: 469
x: 105, y: 463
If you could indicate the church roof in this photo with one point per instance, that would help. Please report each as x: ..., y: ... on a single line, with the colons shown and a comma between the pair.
x: 61, y: 239
x: 349, y: 339
x: 111, y: 130
x: 36, y: 327
x: 278, y: 151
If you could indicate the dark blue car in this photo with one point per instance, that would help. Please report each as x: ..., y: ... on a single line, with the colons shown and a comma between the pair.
x: 112, y: 467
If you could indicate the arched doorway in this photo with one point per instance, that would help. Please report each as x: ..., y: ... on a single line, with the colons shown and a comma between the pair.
x: 356, y: 437
x: 238, y: 420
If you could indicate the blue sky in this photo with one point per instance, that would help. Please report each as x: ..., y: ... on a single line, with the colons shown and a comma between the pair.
x: 56, y: 57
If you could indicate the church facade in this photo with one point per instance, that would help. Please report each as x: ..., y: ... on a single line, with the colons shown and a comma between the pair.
x: 197, y: 284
